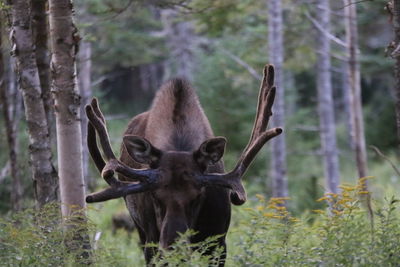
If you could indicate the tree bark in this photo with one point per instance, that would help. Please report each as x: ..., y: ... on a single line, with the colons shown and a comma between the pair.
x: 10, y: 113
x: 276, y: 46
x: 40, y: 36
x: 84, y: 78
x: 325, y: 100
x: 64, y: 40
x: 358, y: 135
x: 180, y: 38
x: 396, y: 56
x: 44, y: 174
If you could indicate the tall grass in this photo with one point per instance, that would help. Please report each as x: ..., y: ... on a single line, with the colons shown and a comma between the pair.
x: 263, y: 233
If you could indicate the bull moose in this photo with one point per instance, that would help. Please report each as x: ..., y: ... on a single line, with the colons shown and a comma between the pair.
x: 170, y: 171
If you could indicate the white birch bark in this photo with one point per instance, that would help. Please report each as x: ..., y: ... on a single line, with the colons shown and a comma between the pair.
x: 325, y: 100
x: 358, y: 135
x: 84, y: 78
x: 64, y: 40
x: 43, y: 172
x: 180, y: 38
x: 276, y: 51
x: 40, y: 35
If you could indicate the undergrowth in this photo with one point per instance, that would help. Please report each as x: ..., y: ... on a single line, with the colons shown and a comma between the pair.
x: 266, y: 234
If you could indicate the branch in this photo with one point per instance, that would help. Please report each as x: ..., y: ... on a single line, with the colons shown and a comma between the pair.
x: 379, y: 153
x: 242, y: 63
x: 323, y: 31
x: 354, y: 3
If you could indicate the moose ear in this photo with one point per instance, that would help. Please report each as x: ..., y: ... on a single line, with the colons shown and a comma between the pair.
x: 141, y: 150
x: 210, y: 152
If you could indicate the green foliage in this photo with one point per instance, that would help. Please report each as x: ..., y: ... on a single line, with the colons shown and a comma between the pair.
x: 183, y: 253
x: 340, y: 236
x: 263, y: 233
x: 122, y: 42
x: 38, y: 238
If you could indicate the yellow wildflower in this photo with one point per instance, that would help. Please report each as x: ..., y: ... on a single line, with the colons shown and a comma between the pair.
x: 347, y: 188
x: 323, y: 198
x: 279, y: 198
x: 332, y: 195
x: 260, y: 208
x: 269, y: 214
x: 260, y: 197
x: 336, y: 212
x: 363, y: 192
x: 319, y: 211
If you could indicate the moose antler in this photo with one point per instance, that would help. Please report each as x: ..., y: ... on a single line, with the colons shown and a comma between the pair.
x: 259, y: 136
x: 147, y: 177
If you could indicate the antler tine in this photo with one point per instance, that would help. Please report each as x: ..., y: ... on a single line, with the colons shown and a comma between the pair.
x: 259, y: 136
x: 99, y: 125
x: 96, y: 109
x: 93, y: 149
x: 147, y: 177
x: 265, y: 101
x: 120, y: 191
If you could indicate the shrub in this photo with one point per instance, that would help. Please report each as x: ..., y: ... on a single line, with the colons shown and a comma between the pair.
x: 265, y: 234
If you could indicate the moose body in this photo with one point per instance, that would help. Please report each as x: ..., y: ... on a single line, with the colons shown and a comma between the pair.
x: 177, y: 125
x: 170, y: 170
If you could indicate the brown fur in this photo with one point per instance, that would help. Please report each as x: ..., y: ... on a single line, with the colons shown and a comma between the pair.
x: 177, y: 126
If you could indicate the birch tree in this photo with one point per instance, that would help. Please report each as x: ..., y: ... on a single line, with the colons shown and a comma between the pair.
x: 275, y: 51
x: 353, y: 76
x: 40, y: 37
x: 9, y: 99
x: 181, y: 41
x: 84, y: 79
x: 325, y: 100
x: 64, y: 41
x: 43, y: 172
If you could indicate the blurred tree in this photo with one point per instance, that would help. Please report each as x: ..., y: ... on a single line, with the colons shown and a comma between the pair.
x: 276, y: 50
x: 85, y: 89
x: 44, y: 174
x: 181, y: 42
x: 10, y: 100
x: 394, y: 8
x: 325, y: 98
x: 353, y: 62
x: 40, y: 38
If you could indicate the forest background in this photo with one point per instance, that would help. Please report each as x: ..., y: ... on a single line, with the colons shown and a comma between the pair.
x: 128, y: 48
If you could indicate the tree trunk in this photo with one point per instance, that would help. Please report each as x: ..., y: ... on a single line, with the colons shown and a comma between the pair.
x: 11, y: 120
x: 180, y: 38
x: 355, y: 86
x: 396, y: 55
x: 44, y: 174
x: 347, y: 105
x: 276, y: 46
x: 40, y: 36
x: 64, y: 40
x: 84, y: 78
x: 325, y: 100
